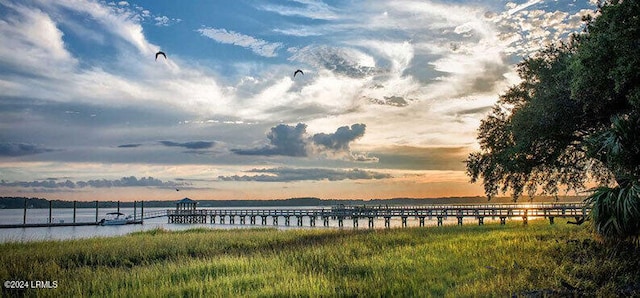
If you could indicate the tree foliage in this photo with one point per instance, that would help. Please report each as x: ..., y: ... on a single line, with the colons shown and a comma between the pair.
x: 574, y: 117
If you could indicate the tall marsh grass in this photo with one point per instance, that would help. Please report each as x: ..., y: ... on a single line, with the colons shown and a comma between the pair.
x: 490, y: 260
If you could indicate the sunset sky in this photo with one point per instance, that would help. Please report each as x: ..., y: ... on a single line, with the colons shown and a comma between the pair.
x: 388, y: 106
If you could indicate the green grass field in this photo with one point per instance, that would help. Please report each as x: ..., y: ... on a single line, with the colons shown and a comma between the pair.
x: 489, y: 260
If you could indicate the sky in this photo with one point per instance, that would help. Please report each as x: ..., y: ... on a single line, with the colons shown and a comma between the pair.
x: 388, y: 105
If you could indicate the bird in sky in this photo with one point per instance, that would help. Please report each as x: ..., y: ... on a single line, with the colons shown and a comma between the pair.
x: 296, y: 72
x: 161, y: 53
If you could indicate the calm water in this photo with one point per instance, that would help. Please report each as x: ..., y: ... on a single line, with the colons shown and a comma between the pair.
x: 15, y: 216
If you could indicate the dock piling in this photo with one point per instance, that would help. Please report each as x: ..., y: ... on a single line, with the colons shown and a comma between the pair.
x: 24, y: 215
x: 50, y: 210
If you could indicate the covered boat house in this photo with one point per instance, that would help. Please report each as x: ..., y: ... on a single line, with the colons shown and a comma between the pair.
x: 186, y: 212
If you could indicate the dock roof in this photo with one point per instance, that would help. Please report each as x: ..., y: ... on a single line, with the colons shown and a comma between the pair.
x: 187, y: 201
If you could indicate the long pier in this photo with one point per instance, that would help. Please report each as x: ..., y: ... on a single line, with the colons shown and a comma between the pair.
x: 353, y: 214
x: 341, y: 213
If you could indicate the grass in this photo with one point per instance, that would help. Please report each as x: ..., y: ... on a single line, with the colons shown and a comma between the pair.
x: 490, y: 260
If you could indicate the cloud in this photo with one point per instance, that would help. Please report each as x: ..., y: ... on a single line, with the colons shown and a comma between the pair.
x: 339, y: 141
x: 294, y: 141
x: 305, y: 174
x: 189, y: 145
x: 130, y: 146
x: 165, y: 21
x: 523, y: 31
x: 283, y: 140
x: 33, y: 35
x: 422, y: 158
x: 20, y: 149
x: 258, y: 46
x: 339, y: 60
x: 395, y: 101
x: 102, y: 183
x: 304, y: 8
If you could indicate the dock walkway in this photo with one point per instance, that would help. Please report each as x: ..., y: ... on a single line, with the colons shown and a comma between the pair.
x: 355, y: 213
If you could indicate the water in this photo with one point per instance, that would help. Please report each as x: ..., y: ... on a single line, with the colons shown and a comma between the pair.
x: 15, y: 216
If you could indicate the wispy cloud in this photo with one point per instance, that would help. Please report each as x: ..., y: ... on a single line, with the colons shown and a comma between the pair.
x: 303, y: 174
x: 102, y: 183
x: 19, y: 149
x: 129, y: 146
x: 344, y: 61
x: 189, y: 145
x: 258, y: 46
x: 304, y: 8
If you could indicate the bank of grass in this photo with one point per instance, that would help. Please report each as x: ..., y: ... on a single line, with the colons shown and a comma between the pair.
x: 490, y: 260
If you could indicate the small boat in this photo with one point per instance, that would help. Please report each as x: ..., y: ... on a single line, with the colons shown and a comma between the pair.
x: 115, y: 218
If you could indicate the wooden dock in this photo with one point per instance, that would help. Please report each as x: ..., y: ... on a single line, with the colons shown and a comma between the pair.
x: 136, y: 219
x: 57, y: 224
x: 440, y: 213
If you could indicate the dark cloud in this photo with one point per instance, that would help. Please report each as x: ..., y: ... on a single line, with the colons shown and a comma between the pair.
x: 471, y: 111
x: 487, y: 79
x: 338, y: 60
x: 189, y: 145
x: 296, y: 174
x: 130, y: 146
x: 284, y: 140
x: 102, y: 183
x: 294, y: 141
x: 339, y: 141
x: 395, y: 101
x: 20, y: 149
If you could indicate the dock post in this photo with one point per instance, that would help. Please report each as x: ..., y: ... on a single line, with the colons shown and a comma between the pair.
x: 312, y: 220
x: 275, y: 220
x: 135, y: 211
x: 387, y: 222
x: 24, y: 215
x: 232, y: 219
x: 340, y: 221
x: 96, y: 211
x: 439, y: 221
x: 141, y: 211
x: 370, y: 222
x: 242, y: 219
x: 286, y: 220
x: 421, y: 221
x: 264, y: 220
x: 50, y: 207
x: 503, y: 220
x: 74, y: 211
x: 118, y: 206
x: 480, y: 220
x: 325, y: 221
x: 404, y: 221
x: 355, y: 221
x: 459, y: 220
x: 299, y: 220
x: 550, y: 219
x: 525, y: 218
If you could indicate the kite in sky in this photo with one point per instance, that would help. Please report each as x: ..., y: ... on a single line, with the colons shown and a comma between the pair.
x: 296, y: 72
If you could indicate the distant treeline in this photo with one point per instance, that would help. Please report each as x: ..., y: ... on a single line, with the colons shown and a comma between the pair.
x: 19, y: 202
